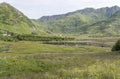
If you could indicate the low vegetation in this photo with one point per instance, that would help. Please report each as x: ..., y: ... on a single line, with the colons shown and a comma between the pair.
x: 33, y: 60
x: 31, y: 37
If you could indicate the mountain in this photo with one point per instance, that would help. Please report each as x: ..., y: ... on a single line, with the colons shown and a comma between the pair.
x: 109, y: 27
x: 13, y: 20
x: 79, y: 21
x: 102, y: 21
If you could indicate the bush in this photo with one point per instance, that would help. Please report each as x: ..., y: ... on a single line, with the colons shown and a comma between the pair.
x: 8, y: 38
x: 34, y: 38
x: 41, y: 38
x: 116, y: 47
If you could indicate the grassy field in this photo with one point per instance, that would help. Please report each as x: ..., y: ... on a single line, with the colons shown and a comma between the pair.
x: 33, y: 60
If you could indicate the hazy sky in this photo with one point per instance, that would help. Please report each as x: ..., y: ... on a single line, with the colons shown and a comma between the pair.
x: 38, y: 8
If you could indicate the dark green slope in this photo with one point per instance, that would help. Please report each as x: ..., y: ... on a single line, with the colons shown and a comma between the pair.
x: 68, y: 24
x: 40, y: 29
x: 108, y: 27
x: 78, y: 21
x: 13, y: 20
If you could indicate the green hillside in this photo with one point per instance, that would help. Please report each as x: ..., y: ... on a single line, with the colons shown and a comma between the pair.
x: 102, y: 21
x: 40, y: 29
x: 109, y: 27
x: 13, y: 20
x: 81, y: 21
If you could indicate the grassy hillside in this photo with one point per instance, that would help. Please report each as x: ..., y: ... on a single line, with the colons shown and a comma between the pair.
x: 103, y: 21
x: 78, y: 21
x: 13, y: 20
x: 107, y: 27
x: 41, y: 29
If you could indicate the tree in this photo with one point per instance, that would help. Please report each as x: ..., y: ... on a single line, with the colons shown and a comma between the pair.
x: 116, y: 47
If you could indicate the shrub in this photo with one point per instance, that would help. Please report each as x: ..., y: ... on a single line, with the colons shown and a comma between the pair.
x: 8, y: 38
x: 41, y: 38
x: 116, y: 47
x: 34, y: 38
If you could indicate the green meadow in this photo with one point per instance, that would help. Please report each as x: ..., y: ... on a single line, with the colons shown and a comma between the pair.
x: 34, y: 60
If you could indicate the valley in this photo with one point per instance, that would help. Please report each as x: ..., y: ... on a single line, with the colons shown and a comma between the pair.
x: 76, y: 45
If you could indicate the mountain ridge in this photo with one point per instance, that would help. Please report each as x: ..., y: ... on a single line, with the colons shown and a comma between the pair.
x: 108, y: 27
x: 78, y: 21
x: 85, y: 10
x: 102, y: 21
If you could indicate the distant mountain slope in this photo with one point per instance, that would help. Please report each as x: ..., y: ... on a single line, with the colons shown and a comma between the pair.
x: 103, y: 21
x: 111, y: 26
x: 91, y: 12
x: 78, y: 21
x: 13, y: 20
x: 40, y: 29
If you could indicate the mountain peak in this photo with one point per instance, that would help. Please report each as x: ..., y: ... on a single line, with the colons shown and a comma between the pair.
x: 116, y: 6
x: 12, y: 18
x: 4, y: 3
